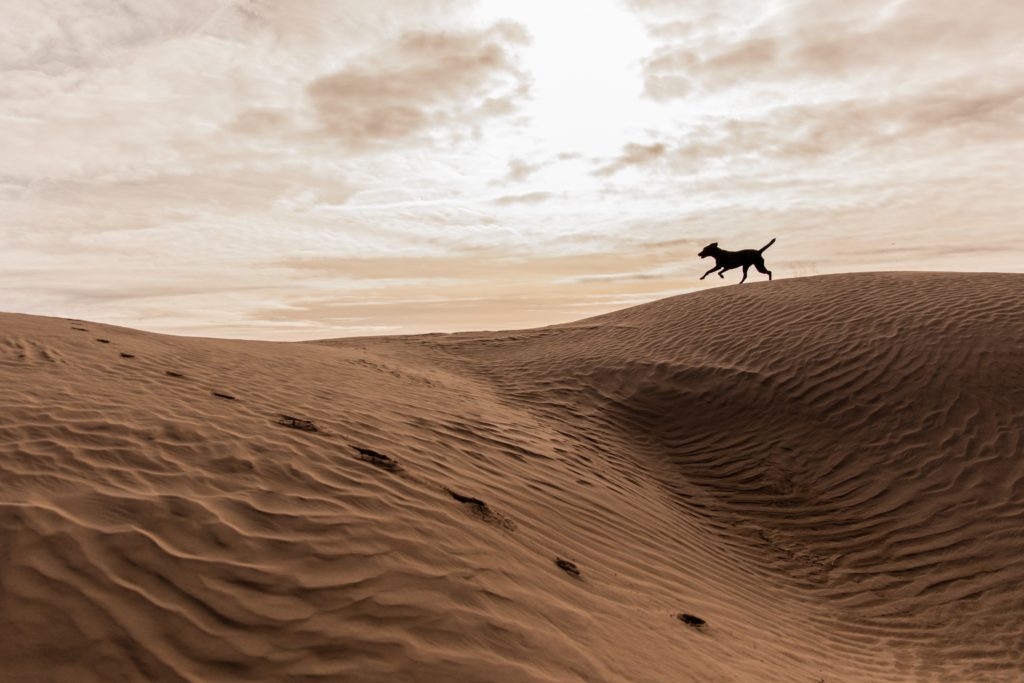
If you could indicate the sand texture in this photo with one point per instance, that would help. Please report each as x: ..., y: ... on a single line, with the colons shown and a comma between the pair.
x: 828, y: 472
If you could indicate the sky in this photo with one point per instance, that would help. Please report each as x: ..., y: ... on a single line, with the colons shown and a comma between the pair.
x: 308, y: 169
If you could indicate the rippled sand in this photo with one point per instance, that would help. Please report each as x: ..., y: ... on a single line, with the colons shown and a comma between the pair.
x: 828, y: 472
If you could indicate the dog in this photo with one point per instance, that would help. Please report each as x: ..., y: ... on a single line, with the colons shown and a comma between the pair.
x: 727, y: 260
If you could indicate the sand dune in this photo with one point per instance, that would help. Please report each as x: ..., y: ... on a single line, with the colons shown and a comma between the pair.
x: 827, y: 471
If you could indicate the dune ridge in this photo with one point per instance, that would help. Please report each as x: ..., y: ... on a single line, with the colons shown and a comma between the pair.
x: 825, y: 470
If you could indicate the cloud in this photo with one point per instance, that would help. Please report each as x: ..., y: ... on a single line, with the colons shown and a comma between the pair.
x: 56, y: 36
x: 419, y: 83
x: 497, y: 264
x: 864, y: 41
x: 527, y: 198
x: 262, y: 121
x: 519, y: 170
x: 869, y: 81
x: 494, y: 288
x: 633, y: 154
x: 675, y: 271
x: 884, y: 126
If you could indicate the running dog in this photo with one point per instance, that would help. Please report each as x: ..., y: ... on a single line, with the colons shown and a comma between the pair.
x: 727, y: 260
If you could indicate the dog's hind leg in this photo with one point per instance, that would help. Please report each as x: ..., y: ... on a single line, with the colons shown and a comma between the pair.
x: 760, y: 267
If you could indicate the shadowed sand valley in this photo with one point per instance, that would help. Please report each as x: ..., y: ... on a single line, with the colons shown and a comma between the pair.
x: 813, y: 479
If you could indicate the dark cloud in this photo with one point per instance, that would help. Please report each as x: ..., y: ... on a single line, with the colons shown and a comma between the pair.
x: 421, y: 82
x: 633, y: 154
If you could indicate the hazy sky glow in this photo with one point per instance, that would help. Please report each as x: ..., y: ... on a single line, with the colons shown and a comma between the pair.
x: 304, y: 169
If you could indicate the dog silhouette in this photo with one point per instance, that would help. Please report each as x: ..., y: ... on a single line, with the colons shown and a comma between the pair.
x: 727, y: 260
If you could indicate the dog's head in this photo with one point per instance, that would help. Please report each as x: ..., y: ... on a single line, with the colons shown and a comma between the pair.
x: 708, y: 250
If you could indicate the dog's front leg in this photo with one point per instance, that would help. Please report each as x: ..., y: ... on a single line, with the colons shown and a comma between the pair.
x: 709, y: 272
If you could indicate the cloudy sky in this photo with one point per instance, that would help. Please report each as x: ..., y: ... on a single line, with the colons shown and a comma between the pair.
x: 295, y: 169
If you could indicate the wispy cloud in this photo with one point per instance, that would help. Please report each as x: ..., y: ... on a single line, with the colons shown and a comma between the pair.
x: 526, y: 198
x: 633, y: 154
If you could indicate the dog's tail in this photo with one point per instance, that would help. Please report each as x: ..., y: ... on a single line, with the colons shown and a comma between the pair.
x: 761, y: 250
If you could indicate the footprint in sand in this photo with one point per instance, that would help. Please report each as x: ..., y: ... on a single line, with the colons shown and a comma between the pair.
x: 691, y: 620
x: 483, y: 510
x: 127, y: 355
x: 223, y: 395
x: 568, y: 567
x: 298, y: 423
x: 103, y: 341
x: 172, y: 373
x: 385, y: 462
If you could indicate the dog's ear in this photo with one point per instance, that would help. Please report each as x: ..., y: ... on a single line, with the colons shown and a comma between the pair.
x: 713, y: 244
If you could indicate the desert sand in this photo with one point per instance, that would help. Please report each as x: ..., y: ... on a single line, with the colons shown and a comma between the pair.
x: 828, y: 472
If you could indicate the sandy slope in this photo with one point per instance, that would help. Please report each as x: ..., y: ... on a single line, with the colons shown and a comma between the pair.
x: 828, y: 470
